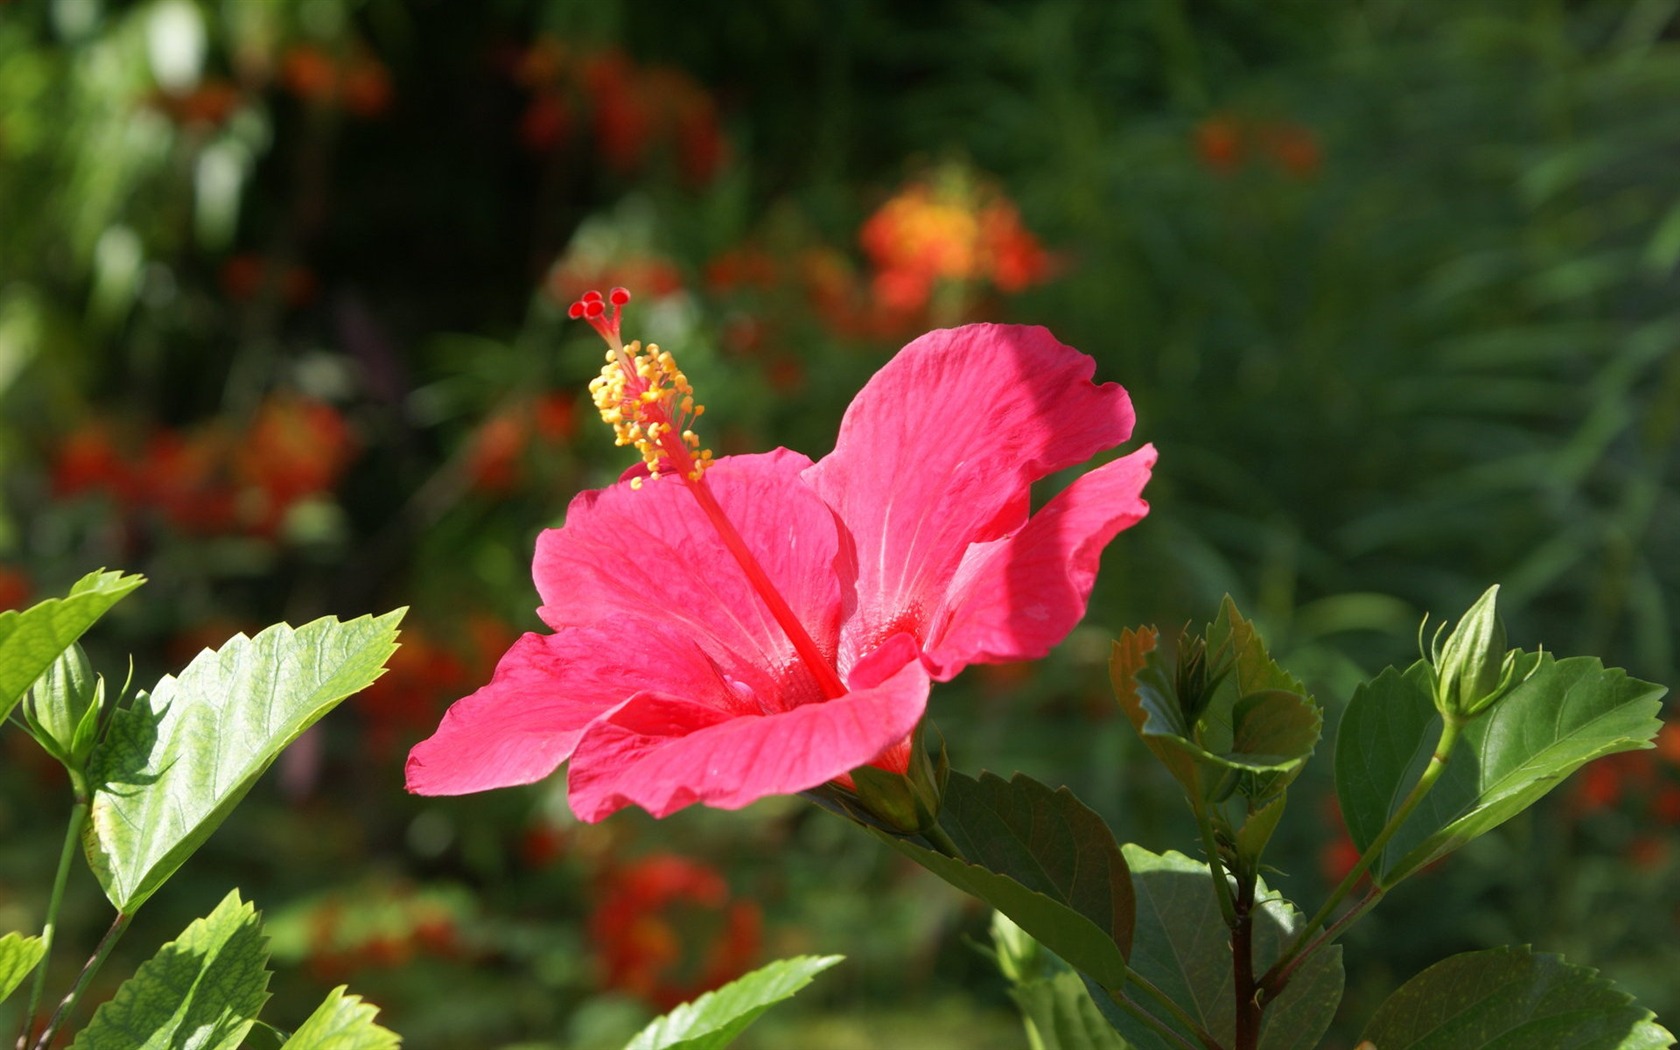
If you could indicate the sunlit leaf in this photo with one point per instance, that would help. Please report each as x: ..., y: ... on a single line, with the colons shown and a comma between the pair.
x: 19, y: 955
x: 179, y: 759
x: 202, y: 990
x: 32, y: 638
x: 1512, y: 999
x: 1566, y: 714
x: 342, y: 1022
x: 712, y: 1021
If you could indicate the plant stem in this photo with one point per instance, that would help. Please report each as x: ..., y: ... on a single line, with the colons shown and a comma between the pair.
x: 1242, y: 969
x: 118, y: 927
x: 1276, y: 979
x: 1210, y: 843
x: 1450, y: 727
x: 942, y: 842
x: 38, y: 985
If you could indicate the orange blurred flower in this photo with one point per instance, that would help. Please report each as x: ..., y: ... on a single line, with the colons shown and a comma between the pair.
x: 1220, y: 143
x: 952, y: 229
x: 665, y: 930
x: 1224, y: 142
x: 359, y: 83
x: 211, y: 479
x: 296, y: 447
x: 1293, y: 147
x: 210, y: 104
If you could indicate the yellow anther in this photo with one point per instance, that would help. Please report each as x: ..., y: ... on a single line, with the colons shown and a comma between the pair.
x: 646, y: 399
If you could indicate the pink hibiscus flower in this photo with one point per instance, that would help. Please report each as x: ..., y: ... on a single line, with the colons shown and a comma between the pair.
x: 762, y: 624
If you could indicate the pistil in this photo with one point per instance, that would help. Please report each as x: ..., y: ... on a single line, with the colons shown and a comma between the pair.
x: 648, y: 402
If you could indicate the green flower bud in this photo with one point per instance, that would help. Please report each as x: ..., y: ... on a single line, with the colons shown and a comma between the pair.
x: 63, y: 707
x: 906, y: 803
x: 1473, y: 668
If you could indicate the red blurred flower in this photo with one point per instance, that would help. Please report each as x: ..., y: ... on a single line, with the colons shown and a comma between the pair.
x: 185, y: 478
x: 771, y: 624
x: 666, y: 930
x: 245, y: 276
x: 498, y: 449
x: 1604, y: 782
x: 88, y: 460
x: 15, y: 588
x: 546, y: 123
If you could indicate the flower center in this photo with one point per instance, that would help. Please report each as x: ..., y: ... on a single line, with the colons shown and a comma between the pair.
x: 646, y: 399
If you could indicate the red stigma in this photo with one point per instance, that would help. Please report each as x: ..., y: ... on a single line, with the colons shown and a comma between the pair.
x: 592, y: 307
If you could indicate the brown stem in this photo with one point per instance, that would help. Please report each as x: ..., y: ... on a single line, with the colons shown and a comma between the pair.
x: 1242, y: 968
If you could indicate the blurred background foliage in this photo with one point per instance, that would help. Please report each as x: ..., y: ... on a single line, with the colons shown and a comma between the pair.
x: 1393, y: 285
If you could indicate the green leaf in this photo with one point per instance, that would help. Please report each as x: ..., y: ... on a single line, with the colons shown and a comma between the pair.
x: 19, y: 955
x: 1565, y: 714
x: 1512, y: 999
x: 202, y: 990
x: 1183, y: 948
x: 1060, y: 1015
x: 342, y: 1022
x: 1044, y: 859
x: 712, y: 1021
x: 32, y: 638
x: 176, y: 762
x: 1148, y: 699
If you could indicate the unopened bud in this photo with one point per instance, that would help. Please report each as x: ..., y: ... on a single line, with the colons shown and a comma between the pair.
x: 63, y: 706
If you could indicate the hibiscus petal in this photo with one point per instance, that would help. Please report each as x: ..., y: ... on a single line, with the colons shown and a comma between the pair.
x: 938, y: 450
x: 1015, y: 598
x: 654, y: 550
x: 654, y: 753
x: 546, y: 691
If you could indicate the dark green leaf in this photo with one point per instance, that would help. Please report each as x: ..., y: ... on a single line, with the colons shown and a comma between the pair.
x: 1042, y: 858
x: 32, y: 638
x: 1183, y: 948
x: 202, y: 990
x: 1565, y: 714
x: 342, y: 1022
x: 712, y: 1021
x: 175, y: 763
x: 19, y: 955
x: 1512, y: 999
